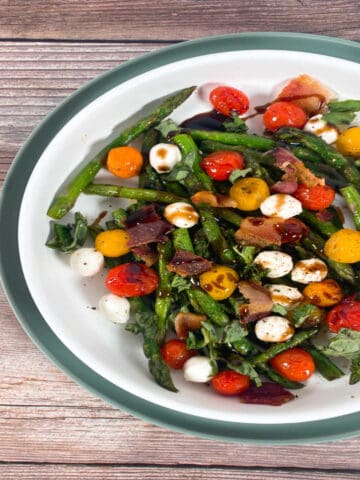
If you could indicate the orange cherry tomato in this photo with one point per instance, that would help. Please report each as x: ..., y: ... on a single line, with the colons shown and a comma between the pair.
x: 131, y: 280
x: 344, y: 315
x: 283, y: 114
x: 175, y: 353
x: 229, y: 382
x: 219, y: 165
x: 315, y: 198
x: 294, y: 364
x: 124, y: 162
x: 229, y: 99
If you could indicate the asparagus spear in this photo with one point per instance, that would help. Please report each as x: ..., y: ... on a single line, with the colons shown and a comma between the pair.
x: 142, y: 194
x: 247, y: 140
x: 192, y: 159
x: 163, y: 293
x: 182, y: 240
x: 207, y: 305
x: 352, y: 198
x: 297, y: 339
x: 330, y: 156
x: 66, y: 199
x: 229, y: 215
x: 326, y: 228
x: 215, y: 236
x: 345, y: 106
x: 277, y: 378
x: 323, y: 364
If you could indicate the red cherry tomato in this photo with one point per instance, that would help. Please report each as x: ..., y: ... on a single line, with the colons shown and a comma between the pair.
x: 131, y: 280
x: 175, y: 353
x: 229, y: 382
x: 315, y: 198
x: 219, y: 165
x: 294, y: 364
x: 344, y: 315
x: 229, y: 99
x: 284, y: 114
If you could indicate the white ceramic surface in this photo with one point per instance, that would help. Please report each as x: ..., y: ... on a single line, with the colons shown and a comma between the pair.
x: 65, y: 300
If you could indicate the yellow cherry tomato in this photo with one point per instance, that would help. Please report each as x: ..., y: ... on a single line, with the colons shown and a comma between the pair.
x: 112, y: 243
x: 344, y: 246
x: 219, y: 282
x: 348, y: 142
x: 249, y: 193
x: 323, y: 294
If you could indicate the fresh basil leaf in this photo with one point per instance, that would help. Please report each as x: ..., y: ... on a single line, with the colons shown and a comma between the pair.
x: 339, y: 118
x: 234, y: 332
x: 167, y: 126
x: 355, y: 371
x: 346, y: 344
x: 246, y: 254
x: 245, y: 368
x: 178, y: 173
x: 277, y: 308
x: 68, y: 238
x: 236, y: 174
x: 301, y: 313
x: 344, y: 106
x: 180, y: 283
x: 235, y: 124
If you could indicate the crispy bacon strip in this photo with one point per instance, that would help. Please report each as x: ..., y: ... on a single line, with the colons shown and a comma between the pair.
x: 185, y: 263
x: 213, y: 199
x: 146, y: 253
x: 267, y: 394
x: 263, y: 231
x: 186, y: 321
x: 146, y: 226
x: 294, y: 169
x: 259, y: 298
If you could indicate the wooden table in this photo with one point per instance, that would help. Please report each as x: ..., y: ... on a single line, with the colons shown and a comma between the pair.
x: 51, y: 428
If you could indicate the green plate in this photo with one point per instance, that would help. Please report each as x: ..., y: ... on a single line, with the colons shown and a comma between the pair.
x: 36, y: 327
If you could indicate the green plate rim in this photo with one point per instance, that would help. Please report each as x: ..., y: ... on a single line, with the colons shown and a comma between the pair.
x: 18, y: 295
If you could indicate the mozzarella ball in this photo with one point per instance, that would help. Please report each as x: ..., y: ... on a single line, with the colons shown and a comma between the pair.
x: 319, y: 127
x: 181, y: 214
x: 87, y: 261
x: 116, y: 309
x: 274, y: 329
x: 198, y: 369
x: 310, y: 270
x: 281, y: 205
x: 278, y: 264
x: 285, y: 296
x: 164, y: 156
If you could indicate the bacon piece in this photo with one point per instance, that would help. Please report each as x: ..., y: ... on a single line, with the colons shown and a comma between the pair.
x: 146, y: 226
x: 295, y: 169
x: 267, y: 394
x: 263, y: 231
x: 324, y: 215
x: 307, y: 93
x: 186, y: 321
x: 186, y: 263
x: 285, y: 186
x: 260, y: 303
x: 146, y: 253
x: 213, y: 199
x: 259, y: 231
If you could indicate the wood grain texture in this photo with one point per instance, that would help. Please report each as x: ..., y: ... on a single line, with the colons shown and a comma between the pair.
x: 173, y: 19
x: 51, y: 428
x: 36, y: 77
x: 69, y: 472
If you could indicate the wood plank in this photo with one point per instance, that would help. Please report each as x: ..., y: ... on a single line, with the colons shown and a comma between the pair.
x: 36, y: 77
x: 173, y: 19
x: 67, y: 472
x: 60, y: 422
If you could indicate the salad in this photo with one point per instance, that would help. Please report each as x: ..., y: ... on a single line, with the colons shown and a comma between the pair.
x: 233, y: 260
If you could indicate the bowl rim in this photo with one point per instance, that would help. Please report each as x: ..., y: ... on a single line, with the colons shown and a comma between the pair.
x: 33, y: 323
